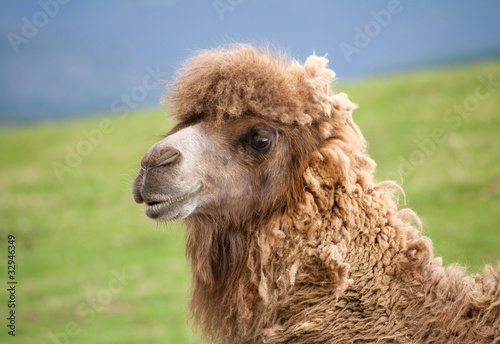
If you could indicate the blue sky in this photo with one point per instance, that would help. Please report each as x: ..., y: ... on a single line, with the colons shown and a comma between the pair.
x: 83, y: 56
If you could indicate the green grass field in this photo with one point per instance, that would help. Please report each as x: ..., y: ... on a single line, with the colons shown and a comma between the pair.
x: 92, y: 269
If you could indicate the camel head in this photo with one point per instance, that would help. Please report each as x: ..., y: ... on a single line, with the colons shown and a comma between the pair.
x: 249, y: 122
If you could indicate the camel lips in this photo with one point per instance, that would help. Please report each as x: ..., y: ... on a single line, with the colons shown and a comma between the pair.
x: 155, y: 206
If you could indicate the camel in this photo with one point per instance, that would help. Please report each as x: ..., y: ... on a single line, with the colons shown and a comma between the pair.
x: 289, y: 237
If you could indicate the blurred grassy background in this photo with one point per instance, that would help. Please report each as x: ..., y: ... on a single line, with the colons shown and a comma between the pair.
x: 75, y: 236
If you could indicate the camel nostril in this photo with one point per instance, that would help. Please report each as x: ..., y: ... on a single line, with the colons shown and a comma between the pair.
x: 166, y: 156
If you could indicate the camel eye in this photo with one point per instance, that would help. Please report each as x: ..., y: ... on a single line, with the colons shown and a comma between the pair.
x: 260, y: 142
x: 259, y: 139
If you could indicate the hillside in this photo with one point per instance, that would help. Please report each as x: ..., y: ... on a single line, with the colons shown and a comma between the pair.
x: 92, y: 269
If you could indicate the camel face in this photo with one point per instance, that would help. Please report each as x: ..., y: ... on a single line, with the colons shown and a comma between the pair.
x: 202, y: 168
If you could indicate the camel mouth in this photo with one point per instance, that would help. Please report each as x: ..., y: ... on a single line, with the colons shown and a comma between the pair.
x: 162, y: 208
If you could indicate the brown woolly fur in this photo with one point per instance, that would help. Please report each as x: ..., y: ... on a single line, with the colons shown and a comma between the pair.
x: 243, y: 80
x: 319, y: 253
